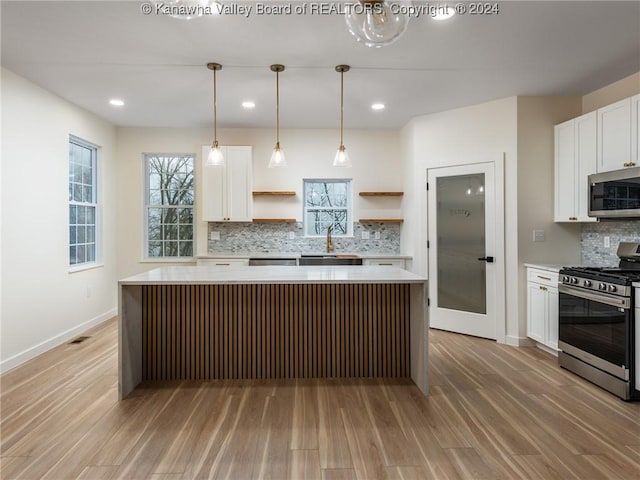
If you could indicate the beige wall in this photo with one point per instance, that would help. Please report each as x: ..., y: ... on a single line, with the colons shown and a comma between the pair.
x: 604, y: 96
x: 536, y: 118
x: 43, y: 304
x: 377, y: 165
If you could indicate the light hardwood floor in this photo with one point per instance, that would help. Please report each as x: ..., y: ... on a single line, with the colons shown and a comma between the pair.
x: 494, y: 412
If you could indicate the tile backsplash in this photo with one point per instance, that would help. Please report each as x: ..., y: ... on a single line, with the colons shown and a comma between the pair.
x: 593, y: 250
x: 239, y: 238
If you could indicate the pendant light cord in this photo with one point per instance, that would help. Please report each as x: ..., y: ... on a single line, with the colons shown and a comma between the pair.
x: 341, y: 107
x: 278, y: 108
x: 215, y: 111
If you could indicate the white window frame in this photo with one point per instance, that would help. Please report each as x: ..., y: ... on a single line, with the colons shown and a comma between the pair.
x: 348, y: 208
x: 95, y: 204
x: 146, y: 206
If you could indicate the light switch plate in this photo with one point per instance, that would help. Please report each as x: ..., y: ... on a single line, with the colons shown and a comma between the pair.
x: 376, y: 235
x: 214, y: 236
x: 538, y: 235
x: 365, y: 235
x: 607, y: 242
x: 292, y: 235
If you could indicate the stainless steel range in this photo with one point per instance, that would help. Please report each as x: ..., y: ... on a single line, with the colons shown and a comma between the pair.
x: 597, y: 325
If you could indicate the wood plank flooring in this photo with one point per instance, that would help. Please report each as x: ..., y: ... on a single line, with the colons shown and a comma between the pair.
x: 495, y: 412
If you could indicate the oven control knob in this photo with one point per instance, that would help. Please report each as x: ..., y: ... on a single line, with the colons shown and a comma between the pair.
x: 587, y: 283
x: 602, y: 286
x: 612, y: 288
x: 565, y: 279
x: 574, y: 280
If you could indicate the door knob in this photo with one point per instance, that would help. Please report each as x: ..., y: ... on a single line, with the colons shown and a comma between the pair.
x: 486, y: 259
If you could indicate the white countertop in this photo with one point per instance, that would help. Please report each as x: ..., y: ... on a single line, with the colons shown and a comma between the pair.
x: 272, y: 274
x: 298, y: 255
x: 550, y: 267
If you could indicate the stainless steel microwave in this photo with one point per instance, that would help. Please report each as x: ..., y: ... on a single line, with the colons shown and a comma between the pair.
x: 615, y: 194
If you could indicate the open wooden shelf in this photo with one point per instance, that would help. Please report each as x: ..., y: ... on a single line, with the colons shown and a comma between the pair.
x: 381, y: 194
x: 381, y: 220
x: 274, y: 220
x: 274, y: 193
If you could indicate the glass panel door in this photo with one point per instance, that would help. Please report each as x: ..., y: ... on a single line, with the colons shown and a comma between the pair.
x: 461, y: 243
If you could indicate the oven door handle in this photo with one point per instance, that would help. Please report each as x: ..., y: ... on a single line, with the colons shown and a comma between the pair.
x: 620, y: 302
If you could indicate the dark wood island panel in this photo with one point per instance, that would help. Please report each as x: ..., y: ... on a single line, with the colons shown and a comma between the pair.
x: 260, y: 331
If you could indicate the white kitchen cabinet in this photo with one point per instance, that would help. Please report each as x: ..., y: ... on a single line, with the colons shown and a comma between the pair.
x: 637, y: 339
x: 226, y: 190
x: 575, y: 160
x: 542, y: 307
x: 614, y: 136
x: 222, y: 262
x: 635, y: 130
x: 384, y: 262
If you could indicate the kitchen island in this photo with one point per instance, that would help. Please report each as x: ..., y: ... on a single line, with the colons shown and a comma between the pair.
x: 199, y: 323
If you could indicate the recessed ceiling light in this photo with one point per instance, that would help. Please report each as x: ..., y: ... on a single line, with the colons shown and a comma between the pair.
x: 248, y: 105
x: 377, y: 106
x: 116, y: 102
x: 444, y: 12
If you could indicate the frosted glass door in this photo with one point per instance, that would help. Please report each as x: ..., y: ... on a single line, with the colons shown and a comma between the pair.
x: 461, y: 242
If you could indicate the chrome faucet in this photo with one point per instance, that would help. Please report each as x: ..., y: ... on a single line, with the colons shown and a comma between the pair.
x: 329, y: 242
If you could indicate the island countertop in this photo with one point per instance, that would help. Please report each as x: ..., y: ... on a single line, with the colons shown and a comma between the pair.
x: 272, y: 274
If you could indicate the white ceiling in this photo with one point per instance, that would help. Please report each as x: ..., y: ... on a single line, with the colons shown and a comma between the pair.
x: 90, y: 51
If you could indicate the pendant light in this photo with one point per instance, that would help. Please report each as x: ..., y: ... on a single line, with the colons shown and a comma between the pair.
x: 277, y: 157
x: 342, y: 157
x: 377, y: 23
x: 215, y: 157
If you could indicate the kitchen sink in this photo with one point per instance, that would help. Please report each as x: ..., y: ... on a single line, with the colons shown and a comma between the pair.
x: 329, y: 259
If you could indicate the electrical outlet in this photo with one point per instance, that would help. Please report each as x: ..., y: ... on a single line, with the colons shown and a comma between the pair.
x: 365, y: 235
x: 607, y: 242
x: 376, y: 235
x: 538, y: 235
x: 292, y: 235
x: 214, y: 236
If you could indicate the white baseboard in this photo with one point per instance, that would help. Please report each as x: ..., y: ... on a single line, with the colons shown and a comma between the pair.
x: 519, y: 341
x: 28, y: 354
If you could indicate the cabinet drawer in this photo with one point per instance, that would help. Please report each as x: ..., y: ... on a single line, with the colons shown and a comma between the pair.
x: 543, y: 277
x: 222, y: 262
x: 384, y: 262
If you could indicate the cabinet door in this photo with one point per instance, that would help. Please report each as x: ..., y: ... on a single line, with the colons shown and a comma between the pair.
x: 565, y: 172
x: 536, y: 312
x: 239, y: 184
x: 214, y: 190
x: 614, y: 136
x: 586, y: 132
x: 551, y: 339
x: 384, y: 262
x: 635, y: 130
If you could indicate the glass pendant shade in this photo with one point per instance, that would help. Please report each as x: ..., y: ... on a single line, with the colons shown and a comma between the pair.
x: 277, y: 157
x: 377, y: 23
x: 342, y: 158
x: 215, y: 157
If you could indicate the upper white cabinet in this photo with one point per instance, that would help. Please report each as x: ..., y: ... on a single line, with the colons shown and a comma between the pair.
x: 226, y: 191
x: 635, y: 129
x: 615, y: 136
x: 575, y: 160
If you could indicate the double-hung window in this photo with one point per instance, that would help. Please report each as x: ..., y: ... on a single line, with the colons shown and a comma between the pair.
x: 83, y: 203
x: 327, y: 203
x: 169, y: 205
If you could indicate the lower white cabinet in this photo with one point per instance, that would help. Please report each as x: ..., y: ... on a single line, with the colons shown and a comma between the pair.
x: 222, y: 262
x: 384, y: 262
x: 637, y: 339
x: 542, y: 307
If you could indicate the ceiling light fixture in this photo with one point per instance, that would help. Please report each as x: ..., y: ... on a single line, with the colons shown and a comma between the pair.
x: 116, y: 102
x: 377, y: 23
x: 277, y: 157
x: 342, y: 157
x: 215, y: 157
x: 248, y: 105
x: 377, y: 106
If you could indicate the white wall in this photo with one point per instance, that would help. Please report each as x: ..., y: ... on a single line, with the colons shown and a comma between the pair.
x: 479, y: 133
x: 42, y: 303
x: 377, y: 165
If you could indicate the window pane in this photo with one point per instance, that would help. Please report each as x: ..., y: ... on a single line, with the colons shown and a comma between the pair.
x: 82, y: 215
x: 91, y: 215
x: 91, y: 252
x: 72, y: 255
x: 91, y: 234
x: 170, y: 249
x: 72, y: 235
x: 186, y: 249
x: 170, y: 232
x: 327, y: 203
x: 72, y: 214
x: 186, y: 232
x: 186, y: 215
x: 86, y: 194
x: 80, y: 254
x: 77, y: 192
x: 155, y: 249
